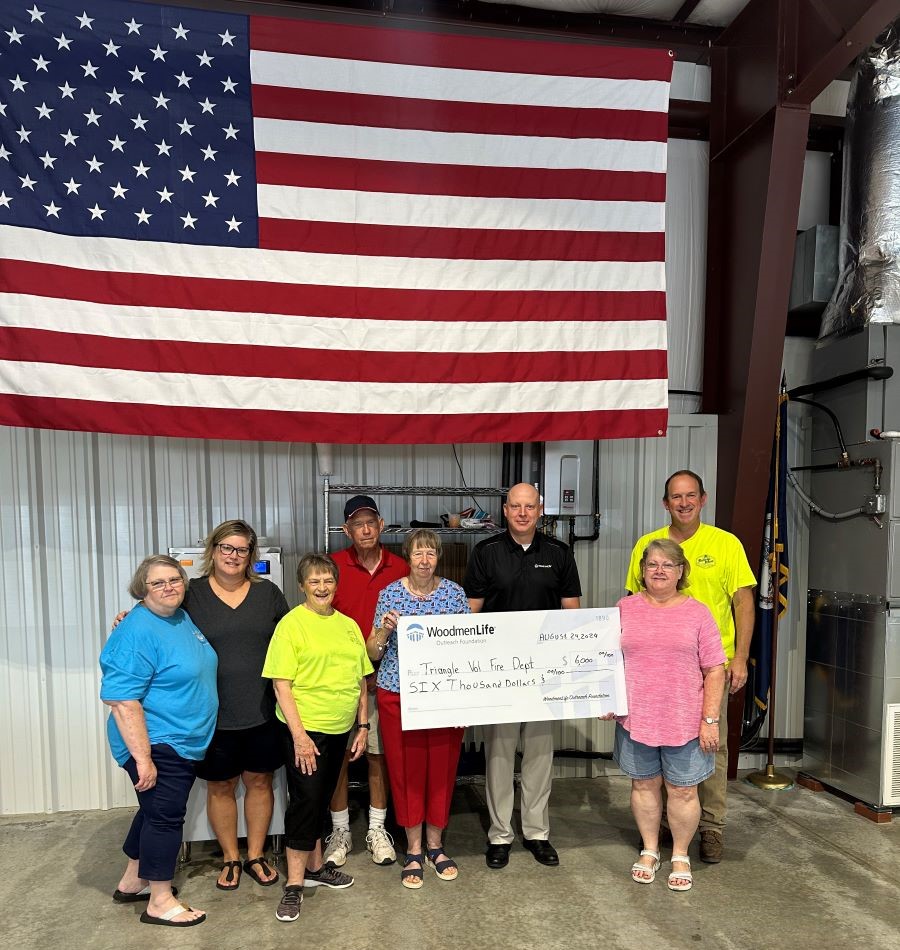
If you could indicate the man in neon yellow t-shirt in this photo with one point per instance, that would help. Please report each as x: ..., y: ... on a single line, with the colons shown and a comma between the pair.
x: 722, y: 579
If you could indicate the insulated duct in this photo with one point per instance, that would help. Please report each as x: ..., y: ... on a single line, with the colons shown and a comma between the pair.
x: 868, y: 287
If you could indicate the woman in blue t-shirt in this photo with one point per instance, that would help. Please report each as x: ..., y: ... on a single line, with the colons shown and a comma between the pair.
x: 159, y: 680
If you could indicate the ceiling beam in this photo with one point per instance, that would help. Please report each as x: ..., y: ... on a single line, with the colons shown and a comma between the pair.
x: 786, y: 52
x: 685, y: 10
x: 831, y: 37
x: 689, y: 41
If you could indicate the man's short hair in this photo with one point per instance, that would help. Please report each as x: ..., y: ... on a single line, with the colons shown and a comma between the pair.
x: 689, y: 473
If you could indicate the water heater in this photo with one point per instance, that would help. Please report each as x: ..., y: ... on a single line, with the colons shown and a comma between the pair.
x: 568, y: 478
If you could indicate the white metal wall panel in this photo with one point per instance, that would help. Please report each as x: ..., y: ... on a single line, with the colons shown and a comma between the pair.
x: 79, y: 511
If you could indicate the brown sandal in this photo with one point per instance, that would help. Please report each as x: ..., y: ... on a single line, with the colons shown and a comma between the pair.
x: 265, y: 867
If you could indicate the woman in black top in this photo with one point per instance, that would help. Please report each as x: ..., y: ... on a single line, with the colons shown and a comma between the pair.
x: 237, y: 611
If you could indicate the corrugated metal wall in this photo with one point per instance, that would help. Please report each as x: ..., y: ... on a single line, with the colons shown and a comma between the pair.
x: 79, y: 511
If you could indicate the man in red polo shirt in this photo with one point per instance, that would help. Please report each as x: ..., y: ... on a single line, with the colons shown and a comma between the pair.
x: 366, y: 568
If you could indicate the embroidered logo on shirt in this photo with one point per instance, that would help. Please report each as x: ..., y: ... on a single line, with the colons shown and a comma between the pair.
x: 705, y: 560
x: 199, y: 636
x: 543, y: 565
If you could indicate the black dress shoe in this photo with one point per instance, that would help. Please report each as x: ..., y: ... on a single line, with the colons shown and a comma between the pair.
x: 543, y: 851
x: 497, y: 856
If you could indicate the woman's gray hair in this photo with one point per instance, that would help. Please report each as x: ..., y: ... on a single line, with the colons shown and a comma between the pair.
x: 225, y: 530
x: 138, y: 586
x: 316, y: 562
x: 421, y: 538
x: 673, y: 552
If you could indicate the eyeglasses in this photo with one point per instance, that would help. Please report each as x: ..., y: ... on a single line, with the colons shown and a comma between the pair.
x: 370, y: 523
x: 667, y: 566
x: 168, y: 582
x: 231, y: 549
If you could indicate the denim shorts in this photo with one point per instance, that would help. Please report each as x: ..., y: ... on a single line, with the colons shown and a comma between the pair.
x: 683, y: 765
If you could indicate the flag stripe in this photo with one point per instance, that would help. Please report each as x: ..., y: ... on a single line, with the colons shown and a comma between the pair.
x: 452, y: 211
x: 56, y: 381
x: 253, y: 264
x: 312, y: 105
x: 271, y: 425
x: 487, y: 87
x: 338, y: 238
x: 353, y: 335
x: 464, y: 148
x: 245, y: 297
x: 316, y: 171
x: 373, y: 44
x: 307, y: 364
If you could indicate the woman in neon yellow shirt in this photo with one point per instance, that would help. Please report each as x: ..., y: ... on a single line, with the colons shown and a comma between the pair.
x: 317, y: 662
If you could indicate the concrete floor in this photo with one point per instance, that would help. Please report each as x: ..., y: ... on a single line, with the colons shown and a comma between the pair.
x: 801, y: 869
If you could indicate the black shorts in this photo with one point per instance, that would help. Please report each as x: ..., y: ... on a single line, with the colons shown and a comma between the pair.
x: 233, y: 751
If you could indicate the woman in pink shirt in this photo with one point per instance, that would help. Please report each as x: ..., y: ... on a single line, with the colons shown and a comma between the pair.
x: 674, y: 677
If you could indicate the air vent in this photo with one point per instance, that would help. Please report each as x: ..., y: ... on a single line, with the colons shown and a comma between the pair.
x: 890, y: 756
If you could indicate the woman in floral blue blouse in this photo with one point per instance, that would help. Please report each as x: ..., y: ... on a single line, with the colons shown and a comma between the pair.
x: 422, y: 762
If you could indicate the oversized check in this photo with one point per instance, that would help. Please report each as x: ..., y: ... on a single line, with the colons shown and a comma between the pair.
x: 523, y: 666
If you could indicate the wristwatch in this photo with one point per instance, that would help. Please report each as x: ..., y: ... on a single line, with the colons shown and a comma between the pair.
x: 368, y: 725
x: 710, y: 721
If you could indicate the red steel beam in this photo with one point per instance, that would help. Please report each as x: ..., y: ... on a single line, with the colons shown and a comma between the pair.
x: 766, y: 69
x: 767, y: 66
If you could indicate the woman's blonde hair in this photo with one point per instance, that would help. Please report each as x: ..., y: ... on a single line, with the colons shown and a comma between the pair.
x: 673, y: 552
x: 225, y: 530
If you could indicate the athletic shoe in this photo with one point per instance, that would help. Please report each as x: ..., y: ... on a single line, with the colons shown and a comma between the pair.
x: 381, y: 846
x: 337, y: 846
x: 288, y: 908
x: 327, y: 876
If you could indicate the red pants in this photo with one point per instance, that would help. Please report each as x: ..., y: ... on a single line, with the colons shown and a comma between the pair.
x: 421, y: 765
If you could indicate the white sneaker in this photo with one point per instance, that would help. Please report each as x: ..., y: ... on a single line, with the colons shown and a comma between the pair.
x: 337, y: 846
x: 381, y: 845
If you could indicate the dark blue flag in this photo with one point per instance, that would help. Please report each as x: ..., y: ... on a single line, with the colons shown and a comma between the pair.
x: 774, y: 567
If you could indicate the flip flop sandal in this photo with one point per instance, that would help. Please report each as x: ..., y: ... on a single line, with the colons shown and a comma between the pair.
x: 132, y: 897
x: 165, y: 920
x: 685, y: 877
x: 638, y: 870
x: 232, y: 878
x: 442, y: 867
x: 413, y: 878
x: 264, y: 868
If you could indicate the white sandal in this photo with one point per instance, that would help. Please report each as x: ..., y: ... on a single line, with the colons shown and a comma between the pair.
x: 685, y: 877
x: 638, y: 868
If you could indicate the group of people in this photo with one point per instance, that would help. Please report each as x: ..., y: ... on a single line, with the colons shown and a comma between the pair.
x: 220, y: 679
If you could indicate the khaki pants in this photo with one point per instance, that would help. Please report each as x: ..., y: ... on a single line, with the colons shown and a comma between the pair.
x: 537, y: 773
x: 712, y: 792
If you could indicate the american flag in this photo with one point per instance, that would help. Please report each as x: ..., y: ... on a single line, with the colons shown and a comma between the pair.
x: 294, y: 230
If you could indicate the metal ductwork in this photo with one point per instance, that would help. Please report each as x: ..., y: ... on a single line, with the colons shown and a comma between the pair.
x: 868, y: 288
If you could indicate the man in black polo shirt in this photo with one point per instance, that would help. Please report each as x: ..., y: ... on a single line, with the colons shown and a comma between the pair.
x: 522, y: 569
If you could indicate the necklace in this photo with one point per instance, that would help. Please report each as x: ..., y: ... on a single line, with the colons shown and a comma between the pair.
x: 423, y: 595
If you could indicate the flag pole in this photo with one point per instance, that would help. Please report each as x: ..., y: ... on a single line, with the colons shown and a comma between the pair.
x: 769, y: 779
